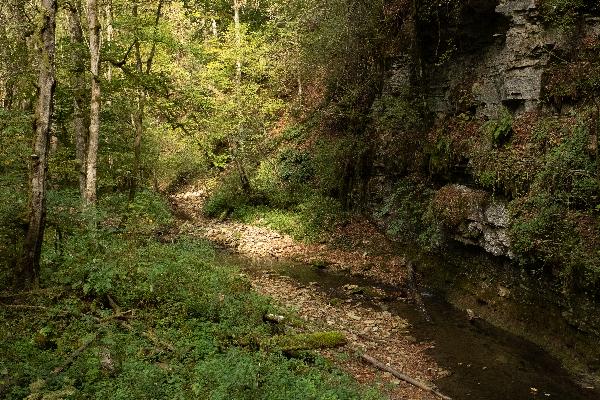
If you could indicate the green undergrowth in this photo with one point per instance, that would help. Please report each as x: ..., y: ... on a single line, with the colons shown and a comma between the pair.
x: 407, y: 213
x: 126, y: 311
x: 309, y: 221
x: 306, y: 217
x: 300, y: 189
x: 15, y: 149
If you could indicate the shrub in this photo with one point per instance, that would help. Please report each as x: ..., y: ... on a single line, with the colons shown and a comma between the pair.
x: 569, y: 174
x: 562, y: 14
x: 407, y: 213
x: 500, y: 129
x: 396, y: 114
x: 227, y: 197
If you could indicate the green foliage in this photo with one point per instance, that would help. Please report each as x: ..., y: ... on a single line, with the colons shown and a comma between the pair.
x: 551, y: 222
x: 294, y: 191
x: 500, y: 129
x: 569, y: 174
x: 246, y: 376
x: 544, y: 231
x: 487, y: 179
x: 310, y: 220
x: 441, y: 156
x: 407, y: 212
x: 562, y: 14
x: 14, y: 153
x: 396, y: 114
x: 340, y: 165
x: 174, y: 157
x: 190, y: 329
x: 227, y: 197
x: 295, y: 166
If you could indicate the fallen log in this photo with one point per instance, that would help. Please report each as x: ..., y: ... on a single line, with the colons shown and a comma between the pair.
x: 24, y: 306
x: 74, y: 355
x: 305, y: 341
x: 113, y: 304
x: 421, y: 385
x: 276, y: 319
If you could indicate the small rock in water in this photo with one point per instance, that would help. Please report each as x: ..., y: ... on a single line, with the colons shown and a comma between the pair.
x: 503, y: 292
x: 471, y: 314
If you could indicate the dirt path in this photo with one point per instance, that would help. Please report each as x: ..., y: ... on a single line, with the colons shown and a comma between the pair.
x: 378, y: 333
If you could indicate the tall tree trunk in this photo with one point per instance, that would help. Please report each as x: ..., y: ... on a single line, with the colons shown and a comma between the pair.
x: 137, y: 118
x: 94, y: 133
x: 237, y: 5
x: 109, y: 34
x: 595, y: 132
x: 32, y: 247
x: 244, y: 181
x: 79, y: 93
x: 138, y: 114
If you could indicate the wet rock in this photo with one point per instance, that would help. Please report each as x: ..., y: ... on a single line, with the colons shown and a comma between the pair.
x: 503, y: 292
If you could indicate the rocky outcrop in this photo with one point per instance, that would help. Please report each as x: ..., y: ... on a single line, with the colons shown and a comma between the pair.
x: 507, y: 73
x: 496, y: 55
x: 504, y: 66
x: 473, y: 217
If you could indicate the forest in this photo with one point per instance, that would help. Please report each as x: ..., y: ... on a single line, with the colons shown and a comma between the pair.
x: 299, y: 199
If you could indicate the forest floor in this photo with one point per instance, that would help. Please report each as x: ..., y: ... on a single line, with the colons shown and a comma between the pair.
x: 356, y: 249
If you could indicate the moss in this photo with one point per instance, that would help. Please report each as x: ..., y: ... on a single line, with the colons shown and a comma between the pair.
x: 320, y: 264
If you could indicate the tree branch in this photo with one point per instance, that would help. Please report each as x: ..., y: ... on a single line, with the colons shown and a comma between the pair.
x: 120, y: 64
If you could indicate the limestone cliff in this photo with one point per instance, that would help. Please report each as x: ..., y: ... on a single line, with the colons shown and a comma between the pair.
x: 500, y: 107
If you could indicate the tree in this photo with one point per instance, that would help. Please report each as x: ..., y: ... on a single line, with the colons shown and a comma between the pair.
x: 138, y: 114
x: 95, y: 103
x: 78, y: 58
x: 32, y: 247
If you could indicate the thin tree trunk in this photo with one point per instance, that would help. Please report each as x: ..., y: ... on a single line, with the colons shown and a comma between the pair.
x: 596, y: 137
x: 79, y: 96
x: 32, y: 247
x: 138, y: 115
x: 137, y: 118
x: 237, y: 5
x: 9, y: 91
x: 94, y: 133
x: 215, y: 32
x: 138, y: 123
x: 109, y: 34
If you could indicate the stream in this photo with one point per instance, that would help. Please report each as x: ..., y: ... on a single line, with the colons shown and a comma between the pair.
x: 486, y: 363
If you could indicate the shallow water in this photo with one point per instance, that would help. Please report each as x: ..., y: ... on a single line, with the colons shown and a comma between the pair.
x: 486, y: 363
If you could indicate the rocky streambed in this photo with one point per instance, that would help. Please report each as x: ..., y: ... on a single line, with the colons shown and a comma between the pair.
x: 365, y: 294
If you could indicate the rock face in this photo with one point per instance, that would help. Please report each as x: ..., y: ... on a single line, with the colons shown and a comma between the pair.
x: 503, y: 67
x: 496, y: 56
x: 508, y: 72
x: 474, y: 218
x: 488, y: 228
